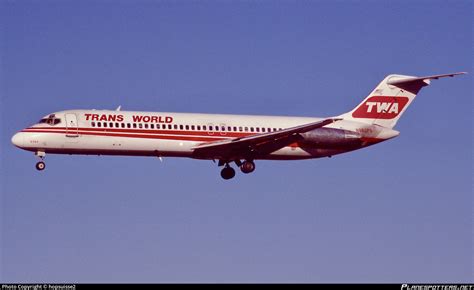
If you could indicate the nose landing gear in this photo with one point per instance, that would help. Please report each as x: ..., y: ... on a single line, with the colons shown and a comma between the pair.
x: 40, y: 165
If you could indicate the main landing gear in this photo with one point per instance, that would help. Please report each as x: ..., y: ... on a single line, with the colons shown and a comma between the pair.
x: 40, y: 165
x: 247, y: 167
x: 228, y: 172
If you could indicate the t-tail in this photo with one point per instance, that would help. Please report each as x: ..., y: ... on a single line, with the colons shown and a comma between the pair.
x: 389, y: 100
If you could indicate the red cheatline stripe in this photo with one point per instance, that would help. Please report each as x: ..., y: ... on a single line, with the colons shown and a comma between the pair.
x: 106, y: 133
x: 150, y: 131
x: 154, y: 136
x: 177, y: 138
x: 168, y: 135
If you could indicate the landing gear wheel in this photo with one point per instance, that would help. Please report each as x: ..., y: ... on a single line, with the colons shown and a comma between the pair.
x: 227, y: 173
x: 40, y: 165
x: 247, y: 167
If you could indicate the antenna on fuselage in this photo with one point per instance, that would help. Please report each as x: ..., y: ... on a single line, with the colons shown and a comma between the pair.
x: 118, y: 108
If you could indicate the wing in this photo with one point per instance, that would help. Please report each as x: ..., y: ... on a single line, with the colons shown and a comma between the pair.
x: 259, y: 144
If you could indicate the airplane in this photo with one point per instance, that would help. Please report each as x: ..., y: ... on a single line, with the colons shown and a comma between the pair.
x: 239, y: 139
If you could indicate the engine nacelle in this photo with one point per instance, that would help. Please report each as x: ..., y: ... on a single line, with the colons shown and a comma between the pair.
x: 329, y: 138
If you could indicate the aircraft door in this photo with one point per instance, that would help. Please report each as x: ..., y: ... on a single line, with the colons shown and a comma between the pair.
x: 71, y: 125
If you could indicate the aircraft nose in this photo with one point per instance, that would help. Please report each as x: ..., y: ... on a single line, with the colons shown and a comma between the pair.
x: 18, y: 139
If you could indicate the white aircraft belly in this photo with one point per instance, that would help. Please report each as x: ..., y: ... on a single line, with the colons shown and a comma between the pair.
x: 135, y: 144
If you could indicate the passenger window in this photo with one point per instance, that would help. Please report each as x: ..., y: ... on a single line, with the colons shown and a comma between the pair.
x: 176, y: 127
x: 217, y: 128
x: 229, y: 128
x: 146, y: 126
x: 105, y: 125
x: 181, y: 127
x: 192, y: 127
x: 235, y: 129
x: 128, y: 125
x: 98, y: 124
x: 251, y: 129
x: 157, y: 126
x: 93, y: 124
x: 257, y: 129
x: 170, y: 127
x: 187, y: 127
x: 140, y: 125
x: 198, y: 127
x: 246, y: 129
x: 223, y: 128
x: 111, y: 125
x: 117, y: 125
x: 263, y: 129
x: 152, y: 126
x: 134, y: 125
x: 204, y: 128
x: 240, y: 129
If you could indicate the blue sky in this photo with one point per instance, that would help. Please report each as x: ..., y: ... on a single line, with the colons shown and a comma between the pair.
x: 398, y: 211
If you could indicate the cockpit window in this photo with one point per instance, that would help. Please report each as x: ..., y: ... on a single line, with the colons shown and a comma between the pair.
x: 50, y: 120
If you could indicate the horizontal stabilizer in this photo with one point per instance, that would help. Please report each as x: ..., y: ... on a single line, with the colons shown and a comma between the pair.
x: 414, y: 84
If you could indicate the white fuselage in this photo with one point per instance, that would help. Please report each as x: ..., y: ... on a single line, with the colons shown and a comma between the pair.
x: 238, y: 139
x: 101, y: 132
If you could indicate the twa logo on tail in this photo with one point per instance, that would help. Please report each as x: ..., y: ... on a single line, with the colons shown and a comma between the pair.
x: 380, y: 107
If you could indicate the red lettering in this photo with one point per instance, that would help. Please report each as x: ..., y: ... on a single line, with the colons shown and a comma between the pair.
x: 137, y: 118
x: 103, y: 118
x: 95, y: 117
x: 112, y: 118
x: 120, y: 118
x: 87, y: 116
x: 147, y: 119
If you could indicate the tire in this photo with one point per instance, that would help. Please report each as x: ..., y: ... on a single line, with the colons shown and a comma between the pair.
x: 227, y: 173
x: 40, y: 166
x: 247, y: 167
